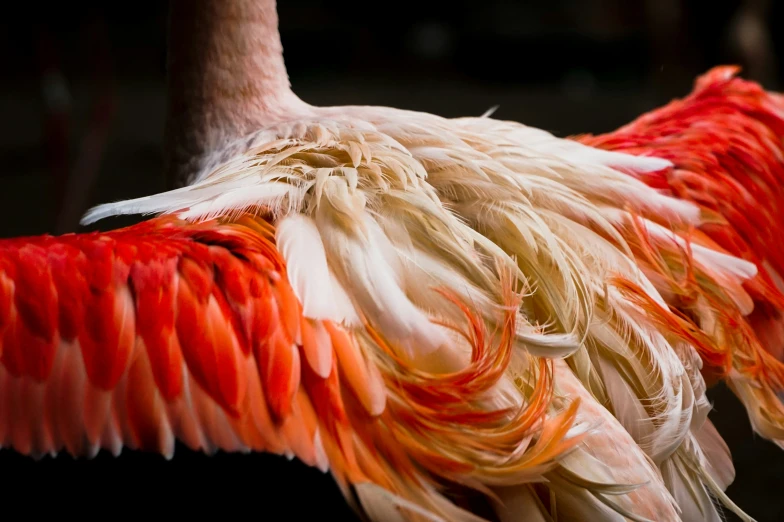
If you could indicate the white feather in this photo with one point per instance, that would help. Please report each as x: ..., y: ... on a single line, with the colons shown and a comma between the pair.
x: 238, y: 200
x: 361, y: 267
x: 489, y: 112
x: 627, y: 161
x: 718, y: 460
x: 314, y: 284
x: 165, y: 202
x: 692, y: 496
x: 383, y: 506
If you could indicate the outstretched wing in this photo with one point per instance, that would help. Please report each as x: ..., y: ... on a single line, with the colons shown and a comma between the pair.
x: 176, y: 331
x: 724, y: 143
x: 140, y: 336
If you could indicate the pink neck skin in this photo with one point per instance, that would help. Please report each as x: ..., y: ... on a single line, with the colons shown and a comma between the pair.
x: 226, y: 78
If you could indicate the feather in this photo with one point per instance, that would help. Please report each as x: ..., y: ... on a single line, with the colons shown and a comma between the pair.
x: 717, y: 455
x: 235, y: 202
x: 379, y: 504
x: 693, y: 499
x: 513, y: 501
x: 489, y: 112
x: 315, y: 285
x: 366, y: 274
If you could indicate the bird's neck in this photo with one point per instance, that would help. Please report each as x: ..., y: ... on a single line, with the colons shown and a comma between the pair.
x: 226, y: 78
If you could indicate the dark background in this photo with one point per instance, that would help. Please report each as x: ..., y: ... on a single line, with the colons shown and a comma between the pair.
x: 81, y: 122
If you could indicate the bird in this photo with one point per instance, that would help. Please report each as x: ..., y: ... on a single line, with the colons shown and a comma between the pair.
x: 426, y: 308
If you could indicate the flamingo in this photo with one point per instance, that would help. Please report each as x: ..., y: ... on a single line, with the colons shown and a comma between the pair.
x: 426, y: 308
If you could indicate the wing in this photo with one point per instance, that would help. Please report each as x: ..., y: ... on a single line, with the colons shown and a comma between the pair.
x: 174, y: 331
x: 724, y: 143
x: 155, y: 332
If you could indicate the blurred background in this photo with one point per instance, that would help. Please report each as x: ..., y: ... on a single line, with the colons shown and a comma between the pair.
x: 82, y: 105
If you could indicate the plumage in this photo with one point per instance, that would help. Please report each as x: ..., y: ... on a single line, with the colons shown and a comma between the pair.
x: 724, y: 143
x: 458, y: 201
x: 206, y: 371
x: 424, y: 307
